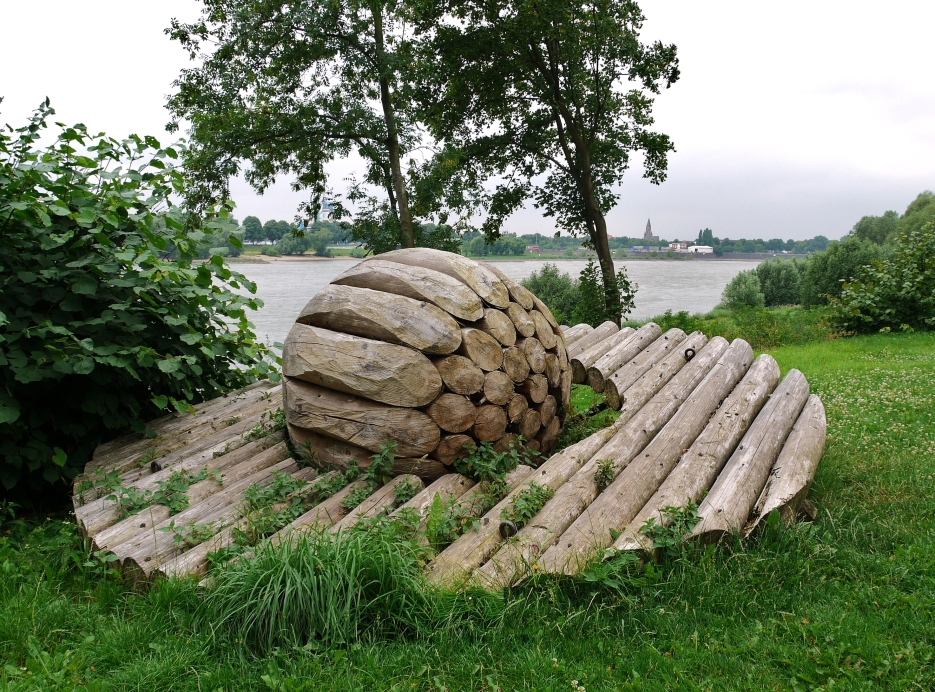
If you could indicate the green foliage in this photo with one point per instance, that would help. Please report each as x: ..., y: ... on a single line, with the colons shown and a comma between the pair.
x: 743, y: 291
x: 921, y: 211
x: 781, y: 281
x: 189, y: 535
x: 605, y: 474
x: 526, y: 504
x: 405, y: 491
x: 253, y: 230
x: 261, y: 495
x: 556, y: 289
x: 897, y: 293
x: 877, y: 229
x: 105, y: 318
x: 270, y: 422
x: 319, y: 241
x: 593, y: 304
x: 827, y: 271
x: 274, y: 231
x: 677, y: 523
x: 486, y: 464
x: 504, y: 245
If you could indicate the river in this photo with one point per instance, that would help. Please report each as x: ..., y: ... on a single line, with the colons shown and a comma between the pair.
x: 695, y: 286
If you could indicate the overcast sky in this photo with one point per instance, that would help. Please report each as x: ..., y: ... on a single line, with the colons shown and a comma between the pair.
x: 790, y: 119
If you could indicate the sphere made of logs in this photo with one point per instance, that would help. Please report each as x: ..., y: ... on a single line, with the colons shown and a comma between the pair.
x: 431, y: 351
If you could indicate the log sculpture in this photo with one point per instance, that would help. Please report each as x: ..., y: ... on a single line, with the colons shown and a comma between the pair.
x: 431, y: 351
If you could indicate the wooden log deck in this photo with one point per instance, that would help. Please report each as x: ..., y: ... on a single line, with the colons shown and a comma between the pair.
x: 703, y: 427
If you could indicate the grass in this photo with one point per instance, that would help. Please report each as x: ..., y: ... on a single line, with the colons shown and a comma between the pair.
x: 844, y: 603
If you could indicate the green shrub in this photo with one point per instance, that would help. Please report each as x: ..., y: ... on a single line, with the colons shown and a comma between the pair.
x: 293, y: 244
x: 839, y: 263
x: 780, y: 281
x: 592, y: 305
x: 556, y: 289
x: 892, y: 294
x: 105, y: 319
x: 359, y: 252
x: 319, y: 241
x: 743, y: 291
x: 270, y: 251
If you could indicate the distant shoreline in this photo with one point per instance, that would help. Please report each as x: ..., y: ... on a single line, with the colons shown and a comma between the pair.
x: 268, y: 259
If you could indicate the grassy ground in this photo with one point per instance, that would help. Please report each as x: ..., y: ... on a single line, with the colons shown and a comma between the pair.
x: 845, y: 603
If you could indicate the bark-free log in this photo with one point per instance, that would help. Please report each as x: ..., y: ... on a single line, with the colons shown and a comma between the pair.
x: 617, y: 356
x: 490, y: 423
x: 498, y: 325
x: 707, y: 455
x: 380, y: 501
x: 481, y: 348
x: 519, y: 555
x: 521, y: 319
x: 518, y: 292
x: 548, y: 436
x: 727, y: 506
x: 514, y: 364
x: 517, y: 407
x: 375, y: 370
x: 630, y: 372
x: 610, y: 512
x: 452, y: 412
x: 792, y: 474
x: 585, y: 359
x: 461, y: 375
x: 572, y: 334
x: 543, y: 330
x: 529, y: 424
x: 420, y: 283
x: 596, y: 335
x: 453, y: 447
x: 483, y: 281
x: 358, y: 421
x: 498, y: 388
x: 534, y: 352
x: 535, y: 387
x: 565, y: 388
x: 544, y: 309
x: 449, y: 487
x: 383, y: 316
x: 547, y: 410
x: 326, y: 452
x: 473, y: 549
x: 553, y: 370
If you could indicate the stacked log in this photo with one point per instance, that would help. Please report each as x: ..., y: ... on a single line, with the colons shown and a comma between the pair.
x: 432, y: 352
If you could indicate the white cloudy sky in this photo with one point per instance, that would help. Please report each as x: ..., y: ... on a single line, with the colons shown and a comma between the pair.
x: 790, y: 119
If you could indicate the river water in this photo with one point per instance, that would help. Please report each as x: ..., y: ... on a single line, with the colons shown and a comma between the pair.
x: 695, y: 286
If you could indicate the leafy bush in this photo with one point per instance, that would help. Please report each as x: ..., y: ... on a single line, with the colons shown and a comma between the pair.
x: 293, y: 244
x: 319, y: 241
x: 780, y: 281
x: 743, y: 291
x: 892, y: 294
x: 105, y: 319
x: 270, y: 251
x: 839, y: 263
x: 556, y: 289
x: 592, y: 305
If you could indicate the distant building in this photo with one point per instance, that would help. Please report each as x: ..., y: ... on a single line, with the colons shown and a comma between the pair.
x: 678, y: 247
x: 532, y: 249
x: 648, y: 235
x: 701, y: 250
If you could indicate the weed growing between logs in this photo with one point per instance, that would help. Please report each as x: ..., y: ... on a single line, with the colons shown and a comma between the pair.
x: 834, y: 604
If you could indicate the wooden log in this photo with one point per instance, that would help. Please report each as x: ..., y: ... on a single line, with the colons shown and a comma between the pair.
x: 587, y: 536
x: 453, y: 447
x: 515, y: 364
x: 482, y: 280
x: 547, y: 410
x: 195, y: 562
x: 449, y: 487
x: 562, y: 353
x: 460, y: 374
x: 792, y: 474
x: 630, y: 372
x: 320, y: 517
x: 534, y: 352
x: 548, y: 436
x: 553, y: 370
x: 596, y: 335
x: 543, y: 330
x: 375, y: 370
x: 506, y: 443
x: 618, y: 356
x: 518, y: 292
x: 327, y: 453
x: 583, y: 360
x: 498, y: 389
x: 381, y: 501
x: 565, y: 388
x: 535, y: 388
x: 700, y: 465
x: 498, y: 324
x: 481, y: 348
x: 419, y: 283
x: 529, y: 424
x: 358, y: 421
x: 453, y: 412
x: 454, y: 564
x: 726, y: 508
x: 383, y: 316
x: 490, y: 424
x: 517, y: 407
x: 516, y: 558
x: 573, y: 334
x: 544, y: 309
x: 521, y: 319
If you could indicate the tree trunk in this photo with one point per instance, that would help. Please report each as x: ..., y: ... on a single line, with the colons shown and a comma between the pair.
x: 392, y: 135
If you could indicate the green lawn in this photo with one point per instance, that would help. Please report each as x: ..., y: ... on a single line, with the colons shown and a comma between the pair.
x: 846, y: 603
